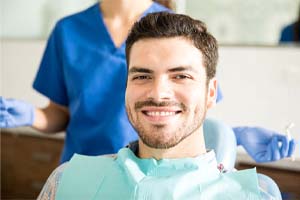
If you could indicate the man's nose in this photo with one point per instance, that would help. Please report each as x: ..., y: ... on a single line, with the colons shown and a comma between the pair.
x: 161, y: 89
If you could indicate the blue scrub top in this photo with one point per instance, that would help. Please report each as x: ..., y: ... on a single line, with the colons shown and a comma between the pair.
x: 286, y: 34
x: 82, y: 69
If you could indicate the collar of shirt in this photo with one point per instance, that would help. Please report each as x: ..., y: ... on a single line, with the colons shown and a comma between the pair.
x: 139, y: 168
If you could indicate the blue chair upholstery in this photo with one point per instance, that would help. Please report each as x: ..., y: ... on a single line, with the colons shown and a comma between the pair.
x: 220, y: 137
x: 267, y: 184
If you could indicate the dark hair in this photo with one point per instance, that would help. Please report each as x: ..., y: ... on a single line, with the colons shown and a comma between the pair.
x: 166, y: 25
x: 167, y: 3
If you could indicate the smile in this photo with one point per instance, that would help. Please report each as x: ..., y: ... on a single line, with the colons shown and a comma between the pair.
x: 160, y: 115
x: 157, y: 113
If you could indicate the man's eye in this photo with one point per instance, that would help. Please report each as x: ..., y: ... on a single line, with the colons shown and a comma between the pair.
x: 181, y: 76
x: 142, y: 77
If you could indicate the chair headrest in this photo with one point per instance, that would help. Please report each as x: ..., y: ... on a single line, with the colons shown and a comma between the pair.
x: 220, y: 137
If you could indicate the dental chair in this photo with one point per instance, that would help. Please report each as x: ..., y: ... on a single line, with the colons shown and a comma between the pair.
x: 220, y: 137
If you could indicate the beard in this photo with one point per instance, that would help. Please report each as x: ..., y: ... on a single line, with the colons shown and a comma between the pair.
x: 165, y: 136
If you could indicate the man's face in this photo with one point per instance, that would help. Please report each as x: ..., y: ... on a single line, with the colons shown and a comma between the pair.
x: 167, y: 94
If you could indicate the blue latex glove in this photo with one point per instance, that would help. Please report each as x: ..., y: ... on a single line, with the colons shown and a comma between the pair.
x: 15, y: 113
x: 264, y: 145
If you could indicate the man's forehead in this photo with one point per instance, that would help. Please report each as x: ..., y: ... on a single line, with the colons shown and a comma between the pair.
x: 167, y: 54
x: 161, y: 40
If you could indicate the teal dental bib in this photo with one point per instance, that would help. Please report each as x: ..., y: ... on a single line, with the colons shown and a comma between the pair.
x: 129, y: 177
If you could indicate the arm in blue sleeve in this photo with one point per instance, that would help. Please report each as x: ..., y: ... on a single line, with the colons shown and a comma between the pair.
x: 50, y: 79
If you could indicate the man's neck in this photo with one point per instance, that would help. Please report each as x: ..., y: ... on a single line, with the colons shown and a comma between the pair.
x: 124, y: 9
x: 192, y: 146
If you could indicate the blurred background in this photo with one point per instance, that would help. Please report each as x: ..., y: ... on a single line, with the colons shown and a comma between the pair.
x: 259, y: 77
x: 231, y: 21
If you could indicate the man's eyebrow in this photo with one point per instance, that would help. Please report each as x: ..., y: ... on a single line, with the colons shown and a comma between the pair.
x: 139, y: 70
x: 182, y: 68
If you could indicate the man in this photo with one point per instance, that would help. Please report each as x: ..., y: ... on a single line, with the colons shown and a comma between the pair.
x: 171, y: 83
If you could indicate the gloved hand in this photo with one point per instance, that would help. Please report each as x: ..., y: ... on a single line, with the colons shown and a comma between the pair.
x: 15, y: 113
x: 264, y: 145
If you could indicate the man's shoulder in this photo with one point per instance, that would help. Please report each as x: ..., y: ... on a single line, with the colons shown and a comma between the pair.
x: 249, y: 178
x: 79, y: 159
x: 51, y: 186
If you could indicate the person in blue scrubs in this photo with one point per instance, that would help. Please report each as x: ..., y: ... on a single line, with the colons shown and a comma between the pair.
x: 83, y: 73
x: 291, y: 32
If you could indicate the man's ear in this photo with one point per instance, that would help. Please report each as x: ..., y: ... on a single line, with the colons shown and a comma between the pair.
x: 212, y: 92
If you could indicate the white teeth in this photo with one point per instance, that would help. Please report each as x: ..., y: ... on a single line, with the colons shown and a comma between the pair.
x: 156, y: 113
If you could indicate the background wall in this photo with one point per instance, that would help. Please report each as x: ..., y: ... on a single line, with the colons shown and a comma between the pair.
x: 231, y: 21
x: 245, y: 22
x: 261, y: 87
x: 35, y: 19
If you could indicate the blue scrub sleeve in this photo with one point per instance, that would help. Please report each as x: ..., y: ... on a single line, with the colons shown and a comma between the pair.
x: 286, y: 34
x: 49, y: 80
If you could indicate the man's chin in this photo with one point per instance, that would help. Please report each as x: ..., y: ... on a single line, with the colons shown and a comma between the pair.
x: 163, y: 133
x: 159, y: 143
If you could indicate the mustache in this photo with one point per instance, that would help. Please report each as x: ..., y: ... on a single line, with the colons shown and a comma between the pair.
x: 140, y: 104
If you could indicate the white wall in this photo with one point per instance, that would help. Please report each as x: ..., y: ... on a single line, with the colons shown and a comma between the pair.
x: 32, y: 19
x: 261, y: 85
x: 231, y: 21
x: 245, y: 22
x: 19, y: 63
